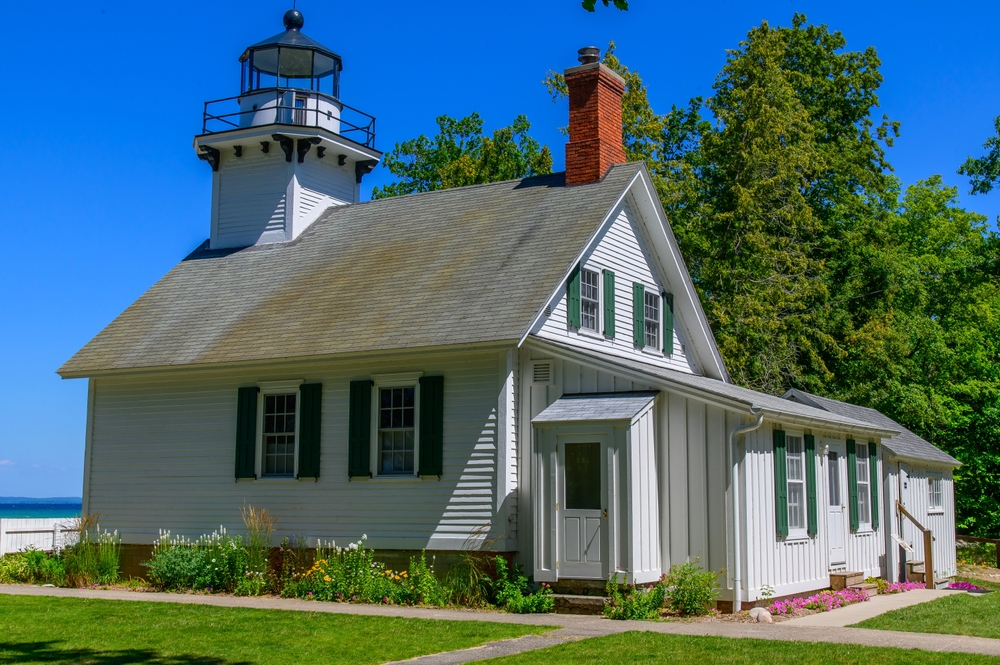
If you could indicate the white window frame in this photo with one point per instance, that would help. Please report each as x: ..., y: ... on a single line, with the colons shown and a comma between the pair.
x: 379, y: 382
x: 935, y: 479
x: 864, y: 485
x: 277, y: 388
x: 596, y: 332
x: 658, y: 347
x: 799, y: 531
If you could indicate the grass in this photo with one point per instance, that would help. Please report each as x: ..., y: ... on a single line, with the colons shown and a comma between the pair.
x: 636, y: 647
x: 109, y: 632
x: 960, y: 614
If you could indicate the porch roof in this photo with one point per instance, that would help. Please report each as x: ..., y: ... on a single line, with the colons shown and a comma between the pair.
x: 596, y: 406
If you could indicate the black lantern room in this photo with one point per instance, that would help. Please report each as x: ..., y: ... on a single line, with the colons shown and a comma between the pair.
x: 291, y: 60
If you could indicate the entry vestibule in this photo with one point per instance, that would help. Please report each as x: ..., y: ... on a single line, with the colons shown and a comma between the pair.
x: 595, y: 500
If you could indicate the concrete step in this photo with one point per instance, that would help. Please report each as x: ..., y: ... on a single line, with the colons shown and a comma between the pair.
x: 840, y: 581
x: 871, y: 590
x: 567, y: 603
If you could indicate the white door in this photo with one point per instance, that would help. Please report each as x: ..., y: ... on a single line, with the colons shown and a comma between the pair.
x: 907, y: 531
x: 581, y: 510
x: 836, y: 502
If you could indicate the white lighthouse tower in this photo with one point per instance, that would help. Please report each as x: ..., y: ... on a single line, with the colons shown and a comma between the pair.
x: 286, y: 147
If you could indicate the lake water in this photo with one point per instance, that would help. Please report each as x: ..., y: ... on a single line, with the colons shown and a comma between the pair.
x: 23, y: 510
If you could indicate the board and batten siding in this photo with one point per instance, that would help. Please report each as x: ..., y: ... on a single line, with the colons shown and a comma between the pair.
x: 917, y: 502
x: 619, y: 247
x: 321, y: 183
x: 251, y: 199
x: 163, y: 450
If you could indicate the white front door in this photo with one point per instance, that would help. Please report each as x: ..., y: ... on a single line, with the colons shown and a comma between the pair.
x: 581, y: 510
x: 836, y: 501
x: 907, y: 530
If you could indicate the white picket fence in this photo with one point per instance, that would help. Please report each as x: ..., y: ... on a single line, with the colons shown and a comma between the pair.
x: 44, y: 533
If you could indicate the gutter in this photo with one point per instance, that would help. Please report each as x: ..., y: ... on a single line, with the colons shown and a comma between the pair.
x: 734, y: 465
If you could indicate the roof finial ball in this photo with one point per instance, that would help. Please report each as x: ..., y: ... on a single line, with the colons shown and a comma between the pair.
x: 294, y: 20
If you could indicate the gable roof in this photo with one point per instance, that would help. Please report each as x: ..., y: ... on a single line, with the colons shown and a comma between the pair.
x: 727, y: 394
x: 904, y: 444
x: 458, y: 266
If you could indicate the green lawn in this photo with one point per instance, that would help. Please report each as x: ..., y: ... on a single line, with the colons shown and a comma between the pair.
x: 961, y: 614
x: 109, y: 632
x: 635, y: 647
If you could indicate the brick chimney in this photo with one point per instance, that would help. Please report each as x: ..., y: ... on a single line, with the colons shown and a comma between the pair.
x: 595, y: 119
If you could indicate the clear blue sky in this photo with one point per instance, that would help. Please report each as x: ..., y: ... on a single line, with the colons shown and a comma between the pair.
x: 102, y: 192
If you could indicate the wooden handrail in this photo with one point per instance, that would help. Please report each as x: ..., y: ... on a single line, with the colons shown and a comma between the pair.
x: 977, y: 539
x: 928, y: 546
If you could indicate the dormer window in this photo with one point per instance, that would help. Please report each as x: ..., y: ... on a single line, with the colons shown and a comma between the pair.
x: 652, y: 320
x: 590, y: 301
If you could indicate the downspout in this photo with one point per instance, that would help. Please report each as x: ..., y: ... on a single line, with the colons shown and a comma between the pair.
x: 734, y: 465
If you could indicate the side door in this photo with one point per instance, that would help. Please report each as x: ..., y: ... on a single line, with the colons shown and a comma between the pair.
x: 582, y: 508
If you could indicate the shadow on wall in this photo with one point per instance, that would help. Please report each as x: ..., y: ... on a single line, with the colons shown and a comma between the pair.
x: 50, y: 652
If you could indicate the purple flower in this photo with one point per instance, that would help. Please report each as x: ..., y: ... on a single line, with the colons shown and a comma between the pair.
x: 965, y: 586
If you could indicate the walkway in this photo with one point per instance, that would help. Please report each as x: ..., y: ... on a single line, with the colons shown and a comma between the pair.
x: 859, y: 612
x: 571, y: 627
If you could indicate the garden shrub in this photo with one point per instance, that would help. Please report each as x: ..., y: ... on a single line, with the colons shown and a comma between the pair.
x: 215, y: 562
x: 511, y: 591
x: 95, y: 557
x: 690, y: 590
x: 627, y: 602
x: 259, y: 525
x: 469, y: 579
x: 40, y: 567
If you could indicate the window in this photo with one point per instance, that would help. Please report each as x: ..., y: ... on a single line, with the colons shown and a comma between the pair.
x: 652, y: 324
x: 278, y: 442
x: 864, y: 484
x: 795, y: 466
x: 935, y: 485
x: 833, y: 475
x: 396, y: 430
x: 590, y: 300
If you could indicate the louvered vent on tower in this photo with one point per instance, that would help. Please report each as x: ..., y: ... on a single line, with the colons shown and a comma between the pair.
x: 541, y: 372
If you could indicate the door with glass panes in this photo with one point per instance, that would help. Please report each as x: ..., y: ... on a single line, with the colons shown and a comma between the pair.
x: 836, y: 475
x: 582, y: 508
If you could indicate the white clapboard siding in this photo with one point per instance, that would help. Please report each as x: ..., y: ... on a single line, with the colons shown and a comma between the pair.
x: 322, y: 183
x: 251, y: 199
x: 42, y: 533
x: 163, y: 457
x: 620, y: 248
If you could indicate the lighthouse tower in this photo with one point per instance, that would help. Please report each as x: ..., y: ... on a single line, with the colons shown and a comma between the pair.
x: 286, y: 147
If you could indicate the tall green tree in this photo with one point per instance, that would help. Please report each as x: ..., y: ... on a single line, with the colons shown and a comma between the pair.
x: 590, y: 5
x: 984, y: 172
x: 461, y: 154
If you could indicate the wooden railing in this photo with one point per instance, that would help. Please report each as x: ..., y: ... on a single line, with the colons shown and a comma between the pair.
x: 976, y: 539
x: 928, y: 546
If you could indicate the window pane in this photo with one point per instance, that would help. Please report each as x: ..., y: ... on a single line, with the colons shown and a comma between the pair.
x: 583, y: 476
x: 796, y: 506
x: 589, y: 300
x: 408, y: 397
x: 833, y: 475
x: 396, y: 434
x: 652, y: 320
x: 863, y: 503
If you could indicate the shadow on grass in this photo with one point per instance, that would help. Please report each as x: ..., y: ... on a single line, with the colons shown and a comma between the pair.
x: 51, y: 652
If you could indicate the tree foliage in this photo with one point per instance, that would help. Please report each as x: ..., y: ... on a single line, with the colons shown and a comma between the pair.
x: 461, y: 154
x: 590, y: 5
x: 984, y: 172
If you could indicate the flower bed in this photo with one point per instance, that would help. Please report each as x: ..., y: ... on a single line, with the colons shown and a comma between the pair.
x: 824, y: 601
x: 965, y: 586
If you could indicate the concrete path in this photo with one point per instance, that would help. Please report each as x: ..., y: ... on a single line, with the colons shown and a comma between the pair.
x: 858, y: 612
x: 570, y: 627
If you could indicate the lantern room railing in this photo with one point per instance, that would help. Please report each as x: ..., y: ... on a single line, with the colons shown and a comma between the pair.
x: 289, y: 106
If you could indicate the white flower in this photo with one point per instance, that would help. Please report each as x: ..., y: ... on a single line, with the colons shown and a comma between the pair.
x: 364, y: 536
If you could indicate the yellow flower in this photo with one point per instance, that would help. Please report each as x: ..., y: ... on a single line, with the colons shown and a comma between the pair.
x: 326, y: 578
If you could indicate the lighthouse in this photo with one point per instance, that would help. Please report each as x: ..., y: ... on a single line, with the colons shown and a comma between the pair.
x: 286, y: 147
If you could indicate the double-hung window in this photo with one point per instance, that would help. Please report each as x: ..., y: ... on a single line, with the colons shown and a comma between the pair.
x: 278, y: 434
x: 935, y: 487
x: 864, y: 485
x: 652, y: 320
x: 795, y: 466
x: 396, y: 430
x: 590, y: 300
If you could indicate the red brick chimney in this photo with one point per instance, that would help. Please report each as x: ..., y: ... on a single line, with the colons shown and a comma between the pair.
x: 595, y: 119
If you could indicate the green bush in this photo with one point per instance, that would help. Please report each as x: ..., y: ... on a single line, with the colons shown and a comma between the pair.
x: 95, y: 558
x: 691, y: 591
x: 256, y: 577
x: 511, y: 591
x: 469, y: 579
x: 215, y: 562
x: 979, y: 554
x: 627, y: 602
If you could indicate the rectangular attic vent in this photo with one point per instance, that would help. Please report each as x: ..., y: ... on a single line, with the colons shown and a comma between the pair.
x: 541, y: 372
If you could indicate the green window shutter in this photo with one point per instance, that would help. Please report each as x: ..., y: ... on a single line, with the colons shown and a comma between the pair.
x: 668, y: 323
x: 310, y: 419
x: 431, y: 436
x: 359, y: 440
x: 573, y: 298
x: 609, y: 304
x: 638, y: 315
x: 873, y: 473
x: 852, y: 483
x: 246, y: 432
x: 780, y: 484
x: 811, y: 513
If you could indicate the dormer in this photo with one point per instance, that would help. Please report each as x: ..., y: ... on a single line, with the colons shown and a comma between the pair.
x: 286, y: 148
